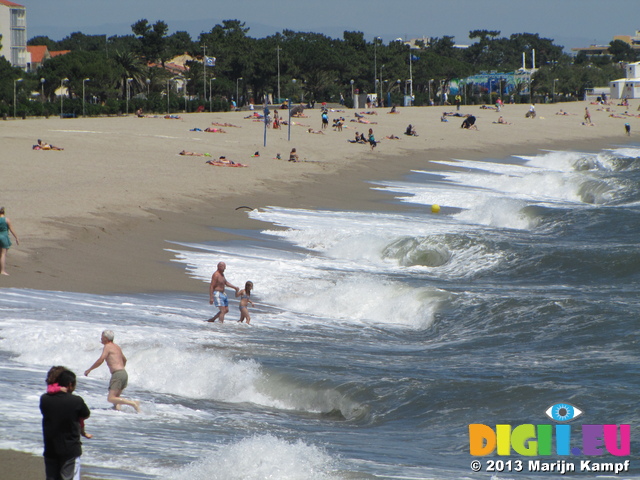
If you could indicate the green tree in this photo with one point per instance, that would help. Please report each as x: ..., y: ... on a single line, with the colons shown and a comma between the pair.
x: 79, y: 41
x: 180, y: 43
x: 622, y: 51
x: 153, y: 41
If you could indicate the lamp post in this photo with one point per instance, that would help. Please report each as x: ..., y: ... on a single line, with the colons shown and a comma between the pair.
x: 553, y: 94
x: 129, y: 80
x: 430, y: 82
x: 184, y: 93
x: 62, y: 96
x: 381, y: 82
x: 15, y: 83
x: 289, y: 123
x: 168, y: 90
x: 42, y: 80
x: 353, y: 100
x: 211, y: 95
x: 237, y: 91
x: 375, y: 90
x: 84, y: 81
x: 148, y: 82
x: 375, y: 63
x: 278, y: 51
x: 293, y: 81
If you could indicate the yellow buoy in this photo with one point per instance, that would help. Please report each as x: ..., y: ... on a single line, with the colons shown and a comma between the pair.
x: 435, y: 208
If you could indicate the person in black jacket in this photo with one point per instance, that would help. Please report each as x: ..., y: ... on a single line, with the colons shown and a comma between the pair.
x: 61, y: 415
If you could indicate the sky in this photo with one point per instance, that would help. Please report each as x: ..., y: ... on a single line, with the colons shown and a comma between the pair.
x: 570, y: 23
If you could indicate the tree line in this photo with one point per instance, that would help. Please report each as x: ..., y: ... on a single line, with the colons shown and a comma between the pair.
x: 126, y: 72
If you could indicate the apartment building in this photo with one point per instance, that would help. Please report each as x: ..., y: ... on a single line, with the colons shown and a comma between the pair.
x: 13, y: 28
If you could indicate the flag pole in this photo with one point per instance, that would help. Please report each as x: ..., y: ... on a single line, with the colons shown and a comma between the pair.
x: 410, y: 76
x: 204, y: 71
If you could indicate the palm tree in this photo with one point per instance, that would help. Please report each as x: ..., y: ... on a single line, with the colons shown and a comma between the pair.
x: 129, y: 66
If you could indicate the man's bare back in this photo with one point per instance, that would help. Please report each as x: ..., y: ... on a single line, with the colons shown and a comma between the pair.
x: 114, y: 357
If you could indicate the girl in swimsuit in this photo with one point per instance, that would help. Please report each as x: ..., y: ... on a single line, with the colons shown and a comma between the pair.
x: 245, y: 300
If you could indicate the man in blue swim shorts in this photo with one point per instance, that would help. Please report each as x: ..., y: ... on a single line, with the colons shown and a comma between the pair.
x: 217, y: 296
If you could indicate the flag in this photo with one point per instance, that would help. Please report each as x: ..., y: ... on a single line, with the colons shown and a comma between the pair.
x: 210, y: 61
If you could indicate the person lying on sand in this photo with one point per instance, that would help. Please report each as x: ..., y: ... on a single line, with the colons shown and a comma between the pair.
x: 225, y: 124
x: 194, y: 154
x: 214, y: 130
x: 392, y: 137
x: 363, y: 120
x: 223, y: 162
x: 45, y: 146
x: 502, y: 121
x: 311, y: 130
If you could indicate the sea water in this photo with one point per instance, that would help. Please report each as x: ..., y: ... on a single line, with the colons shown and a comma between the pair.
x: 376, y: 339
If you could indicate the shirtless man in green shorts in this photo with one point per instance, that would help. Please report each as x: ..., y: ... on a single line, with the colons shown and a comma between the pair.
x: 116, y: 361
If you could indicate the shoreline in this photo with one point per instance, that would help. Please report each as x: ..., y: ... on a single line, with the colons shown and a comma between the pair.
x: 118, y: 244
x: 119, y: 249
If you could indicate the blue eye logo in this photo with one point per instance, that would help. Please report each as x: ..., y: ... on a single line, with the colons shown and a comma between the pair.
x: 563, y: 412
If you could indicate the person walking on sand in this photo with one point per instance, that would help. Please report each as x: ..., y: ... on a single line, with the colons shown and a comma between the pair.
x: 61, y: 415
x: 116, y: 361
x: 5, y: 241
x: 216, y: 293
x: 245, y: 300
x: 372, y: 139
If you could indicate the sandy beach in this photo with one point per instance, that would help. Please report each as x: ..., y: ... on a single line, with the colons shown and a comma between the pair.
x: 98, y: 216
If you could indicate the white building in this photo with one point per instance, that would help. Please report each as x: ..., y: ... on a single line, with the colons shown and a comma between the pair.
x: 629, y: 86
x: 13, y: 28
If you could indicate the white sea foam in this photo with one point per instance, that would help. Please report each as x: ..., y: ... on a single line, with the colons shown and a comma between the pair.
x: 260, y: 457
